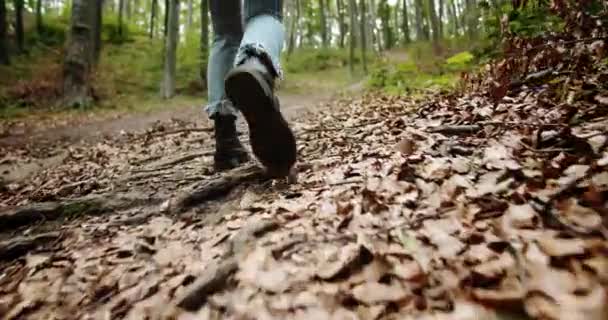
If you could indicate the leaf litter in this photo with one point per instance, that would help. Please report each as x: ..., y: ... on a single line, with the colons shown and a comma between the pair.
x: 488, y: 203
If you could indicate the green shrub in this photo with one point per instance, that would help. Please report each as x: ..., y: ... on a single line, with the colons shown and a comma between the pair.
x: 312, y: 59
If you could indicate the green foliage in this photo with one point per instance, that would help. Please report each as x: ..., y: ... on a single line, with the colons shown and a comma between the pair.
x: 111, y: 30
x: 310, y: 59
x: 307, y: 60
x: 460, y: 62
x: 422, y: 68
x: 406, y: 77
x: 54, y: 31
x: 529, y: 21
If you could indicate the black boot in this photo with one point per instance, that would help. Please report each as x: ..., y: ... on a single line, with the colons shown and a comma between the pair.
x: 229, y: 152
x: 251, y: 89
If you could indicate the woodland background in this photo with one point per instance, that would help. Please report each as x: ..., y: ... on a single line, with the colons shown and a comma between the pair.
x: 56, y: 54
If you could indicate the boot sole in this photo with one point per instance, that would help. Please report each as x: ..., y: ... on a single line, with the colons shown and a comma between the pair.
x: 272, y: 140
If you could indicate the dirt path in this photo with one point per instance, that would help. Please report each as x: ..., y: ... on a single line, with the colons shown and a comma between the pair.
x: 90, y: 130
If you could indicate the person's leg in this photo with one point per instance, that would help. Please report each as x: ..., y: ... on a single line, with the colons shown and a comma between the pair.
x: 228, y: 33
x: 250, y: 85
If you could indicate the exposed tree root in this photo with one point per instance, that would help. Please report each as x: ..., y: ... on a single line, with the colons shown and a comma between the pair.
x: 17, y: 247
x: 215, y: 188
x: 88, y: 205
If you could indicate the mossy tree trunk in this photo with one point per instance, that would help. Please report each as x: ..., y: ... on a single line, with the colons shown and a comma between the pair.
x: 323, y: 23
x: 352, y: 10
x: 153, y: 15
x: 19, y: 32
x: 4, y: 54
x: 362, y: 24
x: 97, y: 25
x: 168, y: 83
x: 121, y: 13
x: 39, y: 22
x: 204, y: 40
x: 341, y: 22
x: 78, y: 55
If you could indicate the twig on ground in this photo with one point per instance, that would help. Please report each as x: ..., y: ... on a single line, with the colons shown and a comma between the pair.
x: 548, y: 150
x: 170, y: 132
x: 456, y: 129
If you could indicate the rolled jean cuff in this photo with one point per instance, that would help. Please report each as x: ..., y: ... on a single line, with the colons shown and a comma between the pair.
x: 257, y: 50
x: 223, y: 108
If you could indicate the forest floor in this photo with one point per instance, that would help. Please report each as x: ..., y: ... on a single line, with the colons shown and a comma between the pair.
x: 467, y: 205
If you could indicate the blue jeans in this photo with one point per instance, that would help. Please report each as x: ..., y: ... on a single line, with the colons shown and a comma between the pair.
x: 256, y: 31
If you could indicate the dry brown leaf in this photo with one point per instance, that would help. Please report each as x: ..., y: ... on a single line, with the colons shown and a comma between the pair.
x: 406, y: 146
x: 373, y: 292
x: 556, y: 247
x: 351, y: 257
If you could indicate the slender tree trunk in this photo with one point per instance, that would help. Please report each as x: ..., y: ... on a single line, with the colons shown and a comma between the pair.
x: 121, y: 12
x: 97, y: 25
x: 373, y: 35
x: 78, y: 56
x: 363, y: 21
x: 405, y: 24
x: 352, y: 10
x: 472, y: 17
x: 385, y: 15
x: 4, y: 55
x: 434, y: 20
x: 190, y: 14
x: 323, y: 23
x: 166, y: 24
x: 293, y: 23
x: 153, y: 11
x: 204, y: 40
x: 419, y: 8
x: 39, y: 23
x: 128, y: 9
x: 453, y: 16
x: 168, y: 84
x: 440, y: 18
x: 341, y: 22
x: 19, y: 33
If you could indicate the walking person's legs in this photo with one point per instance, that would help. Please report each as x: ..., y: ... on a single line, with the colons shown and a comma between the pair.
x: 228, y: 33
x: 250, y: 85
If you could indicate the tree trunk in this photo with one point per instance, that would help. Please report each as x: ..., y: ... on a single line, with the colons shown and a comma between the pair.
x: 168, y: 84
x: 420, y: 34
x: 440, y: 18
x: 78, y: 56
x: 204, y: 40
x: 341, y: 22
x: 453, y: 17
x: 471, y: 13
x: 153, y: 11
x: 405, y: 24
x: 323, y: 23
x: 4, y: 55
x: 166, y: 24
x: 434, y: 20
x: 97, y: 26
x: 293, y: 23
x: 190, y: 13
x: 363, y: 23
x: 385, y: 17
x: 19, y: 34
x: 352, y: 9
x: 373, y: 35
x: 39, y: 26
x: 128, y: 9
x: 121, y: 12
